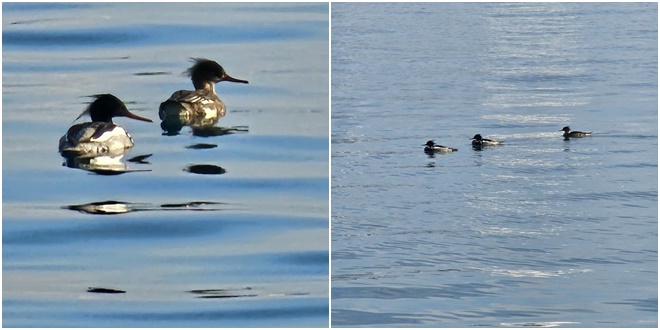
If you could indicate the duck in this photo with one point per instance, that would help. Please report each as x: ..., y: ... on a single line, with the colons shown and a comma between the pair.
x: 101, y: 135
x: 573, y: 134
x: 478, y: 141
x: 202, y: 103
x: 431, y: 147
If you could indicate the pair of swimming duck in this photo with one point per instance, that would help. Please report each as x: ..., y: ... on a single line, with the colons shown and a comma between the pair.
x: 479, y: 141
x: 101, y: 135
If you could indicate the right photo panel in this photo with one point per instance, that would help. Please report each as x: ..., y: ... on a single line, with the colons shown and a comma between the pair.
x: 494, y: 165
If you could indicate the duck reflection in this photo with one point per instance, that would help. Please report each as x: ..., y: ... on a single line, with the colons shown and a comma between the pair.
x: 200, y: 125
x: 106, y: 164
x: 118, y: 207
x: 104, y: 207
x: 172, y: 123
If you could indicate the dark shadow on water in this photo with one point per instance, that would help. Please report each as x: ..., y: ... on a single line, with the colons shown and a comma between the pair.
x: 104, y: 290
x: 224, y: 293
x: 241, y: 293
x: 205, y: 169
x: 202, y: 146
x: 190, y: 204
x: 217, y: 131
x: 153, y: 73
x: 118, y: 207
x: 33, y: 21
x: 141, y: 159
x: 245, y: 292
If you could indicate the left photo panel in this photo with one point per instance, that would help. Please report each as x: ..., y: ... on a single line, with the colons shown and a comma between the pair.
x: 165, y: 165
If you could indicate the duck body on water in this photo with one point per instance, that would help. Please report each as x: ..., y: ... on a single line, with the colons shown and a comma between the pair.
x: 203, y: 102
x: 573, y: 134
x: 101, y: 135
x: 478, y: 141
x: 431, y: 147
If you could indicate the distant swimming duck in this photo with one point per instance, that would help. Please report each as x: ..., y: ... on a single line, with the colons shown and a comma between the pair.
x: 203, y: 102
x: 431, y: 147
x: 573, y: 134
x: 101, y: 135
x: 478, y: 141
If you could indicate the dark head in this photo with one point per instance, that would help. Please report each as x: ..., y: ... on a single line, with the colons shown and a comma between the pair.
x: 106, y: 106
x: 565, y: 129
x: 429, y: 143
x: 204, y: 71
x: 477, y: 137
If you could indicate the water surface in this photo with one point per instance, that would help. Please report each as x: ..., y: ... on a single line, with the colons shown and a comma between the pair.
x: 536, y: 232
x: 204, y: 230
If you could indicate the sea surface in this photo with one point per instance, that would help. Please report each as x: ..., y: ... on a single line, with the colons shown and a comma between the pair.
x: 536, y: 232
x: 197, y: 229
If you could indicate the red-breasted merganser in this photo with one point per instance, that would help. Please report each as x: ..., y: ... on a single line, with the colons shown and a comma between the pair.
x: 100, y: 136
x: 573, y: 134
x: 203, y: 102
x: 478, y: 141
x: 431, y: 147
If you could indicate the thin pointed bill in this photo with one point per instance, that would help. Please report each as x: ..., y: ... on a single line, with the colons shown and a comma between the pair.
x: 227, y: 77
x: 134, y: 116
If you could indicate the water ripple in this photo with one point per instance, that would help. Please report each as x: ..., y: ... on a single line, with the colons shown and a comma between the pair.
x: 93, y: 38
x: 159, y: 34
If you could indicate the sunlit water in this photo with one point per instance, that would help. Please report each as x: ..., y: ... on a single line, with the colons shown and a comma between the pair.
x: 536, y: 232
x: 246, y: 246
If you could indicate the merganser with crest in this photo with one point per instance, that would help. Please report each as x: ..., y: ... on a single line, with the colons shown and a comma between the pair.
x: 203, y: 102
x: 431, y: 147
x: 478, y: 141
x: 101, y: 135
x: 573, y: 134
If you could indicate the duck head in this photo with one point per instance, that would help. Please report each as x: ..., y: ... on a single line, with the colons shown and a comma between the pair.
x: 206, y: 71
x: 107, y: 106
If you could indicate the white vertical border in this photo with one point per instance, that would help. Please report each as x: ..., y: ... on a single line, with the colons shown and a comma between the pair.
x: 329, y: 164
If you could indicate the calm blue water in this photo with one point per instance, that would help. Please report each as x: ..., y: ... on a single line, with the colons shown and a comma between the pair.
x: 247, y: 248
x: 537, y: 232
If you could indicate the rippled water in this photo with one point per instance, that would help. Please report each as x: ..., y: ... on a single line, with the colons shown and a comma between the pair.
x: 207, y: 229
x: 536, y: 232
